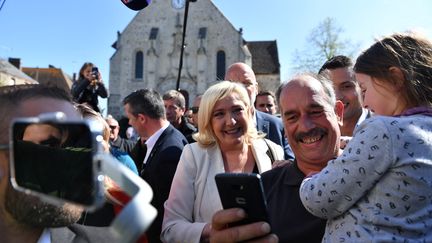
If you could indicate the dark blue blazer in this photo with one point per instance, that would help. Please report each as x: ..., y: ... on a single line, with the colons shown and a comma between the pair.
x: 158, y: 172
x: 274, y: 130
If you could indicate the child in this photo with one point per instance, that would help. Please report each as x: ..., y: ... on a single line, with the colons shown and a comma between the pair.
x: 380, y: 188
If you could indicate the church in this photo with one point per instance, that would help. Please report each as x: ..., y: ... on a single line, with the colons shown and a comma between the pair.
x: 147, y: 52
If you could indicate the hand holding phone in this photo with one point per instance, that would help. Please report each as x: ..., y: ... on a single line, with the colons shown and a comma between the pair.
x: 243, y: 190
x: 95, y: 73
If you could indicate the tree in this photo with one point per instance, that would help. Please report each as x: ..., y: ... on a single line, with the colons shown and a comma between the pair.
x: 324, y: 42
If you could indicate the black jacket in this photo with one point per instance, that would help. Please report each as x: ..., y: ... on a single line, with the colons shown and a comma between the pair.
x: 187, y: 129
x: 84, y: 92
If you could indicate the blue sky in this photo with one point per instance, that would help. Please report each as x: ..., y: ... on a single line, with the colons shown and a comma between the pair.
x: 68, y: 33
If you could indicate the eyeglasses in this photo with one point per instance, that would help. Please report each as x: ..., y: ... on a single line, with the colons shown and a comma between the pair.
x: 113, y: 127
x: 194, y: 109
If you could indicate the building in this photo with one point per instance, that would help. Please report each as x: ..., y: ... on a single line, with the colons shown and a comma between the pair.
x: 50, y: 76
x: 147, y: 52
x: 11, y: 75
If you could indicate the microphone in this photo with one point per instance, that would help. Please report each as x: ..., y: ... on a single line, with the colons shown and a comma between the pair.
x: 136, y: 4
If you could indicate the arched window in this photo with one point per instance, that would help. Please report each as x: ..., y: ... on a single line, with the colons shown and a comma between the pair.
x: 139, y: 65
x: 220, y: 65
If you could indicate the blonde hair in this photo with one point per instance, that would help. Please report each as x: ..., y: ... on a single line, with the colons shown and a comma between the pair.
x: 88, y: 113
x: 206, y: 137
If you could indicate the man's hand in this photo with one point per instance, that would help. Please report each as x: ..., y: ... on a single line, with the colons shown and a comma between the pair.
x: 221, y: 232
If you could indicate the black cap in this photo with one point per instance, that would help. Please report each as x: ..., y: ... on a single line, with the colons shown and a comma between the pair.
x: 136, y: 4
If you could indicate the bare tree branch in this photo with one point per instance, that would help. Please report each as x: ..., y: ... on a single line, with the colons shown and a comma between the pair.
x: 323, y: 42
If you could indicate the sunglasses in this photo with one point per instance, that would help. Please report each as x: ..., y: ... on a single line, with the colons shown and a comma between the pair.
x: 113, y: 127
x: 194, y: 109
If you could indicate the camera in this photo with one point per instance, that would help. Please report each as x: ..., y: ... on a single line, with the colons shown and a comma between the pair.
x: 60, y: 160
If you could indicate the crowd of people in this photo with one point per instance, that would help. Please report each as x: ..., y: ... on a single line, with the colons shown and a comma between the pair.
x: 345, y: 154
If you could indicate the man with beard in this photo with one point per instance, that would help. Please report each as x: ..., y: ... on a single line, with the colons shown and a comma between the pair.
x: 311, y: 117
x: 23, y: 217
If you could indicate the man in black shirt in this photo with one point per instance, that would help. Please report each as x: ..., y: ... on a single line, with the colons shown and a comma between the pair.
x: 311, y: 117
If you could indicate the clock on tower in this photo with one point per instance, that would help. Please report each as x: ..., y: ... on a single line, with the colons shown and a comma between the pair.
x: 178, y: 4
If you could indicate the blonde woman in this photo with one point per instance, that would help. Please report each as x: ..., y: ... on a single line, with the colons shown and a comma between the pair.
x: 227, y: 142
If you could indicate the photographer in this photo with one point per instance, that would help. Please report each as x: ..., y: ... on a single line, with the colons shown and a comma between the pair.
x: 89, y: 86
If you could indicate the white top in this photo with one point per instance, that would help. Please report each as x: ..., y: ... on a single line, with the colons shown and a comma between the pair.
x: 151, y: 141
x: 193, y: 197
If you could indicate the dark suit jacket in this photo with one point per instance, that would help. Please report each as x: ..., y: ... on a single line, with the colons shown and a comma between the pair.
x: 159, y: 171
x: 79, y: 234
x: 274, y: 130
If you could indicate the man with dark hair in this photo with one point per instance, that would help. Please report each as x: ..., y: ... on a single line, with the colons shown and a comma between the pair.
x: 23, y: 217
x: 339, y: 70
x: 266, y: 102
x: 158, y: 150
x: 270, y: 125
x: 175, y: 106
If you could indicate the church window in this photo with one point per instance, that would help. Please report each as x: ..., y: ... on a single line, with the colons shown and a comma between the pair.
x: 153, y: 33
x: 202, y: 33
x: 139, y: 65
x: 220, y: 65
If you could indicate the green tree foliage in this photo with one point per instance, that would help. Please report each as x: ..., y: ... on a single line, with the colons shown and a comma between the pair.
x: 323, y: 42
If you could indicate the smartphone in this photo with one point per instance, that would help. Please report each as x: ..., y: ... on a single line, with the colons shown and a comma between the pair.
x: 95, y: 72
x: 243, y: 190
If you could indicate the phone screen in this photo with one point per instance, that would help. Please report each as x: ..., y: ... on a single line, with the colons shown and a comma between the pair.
x: 243, y: 190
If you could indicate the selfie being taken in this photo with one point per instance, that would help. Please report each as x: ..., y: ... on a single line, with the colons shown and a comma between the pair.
x: 215, y: 121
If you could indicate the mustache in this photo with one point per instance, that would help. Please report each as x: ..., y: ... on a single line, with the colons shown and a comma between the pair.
x: 318, y: 131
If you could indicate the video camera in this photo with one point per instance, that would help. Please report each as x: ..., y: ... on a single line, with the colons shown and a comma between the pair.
x: 62, y: 161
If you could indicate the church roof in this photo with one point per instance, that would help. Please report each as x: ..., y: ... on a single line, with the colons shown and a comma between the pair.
x: 50, y: 76
x: 7, y: 67
x: 265, y: 58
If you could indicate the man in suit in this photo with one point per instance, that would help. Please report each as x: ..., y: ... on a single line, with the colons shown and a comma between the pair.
x: 268, y: 124
x: 158, y: 151
x: 266, y: 102
x: 24, y: 217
